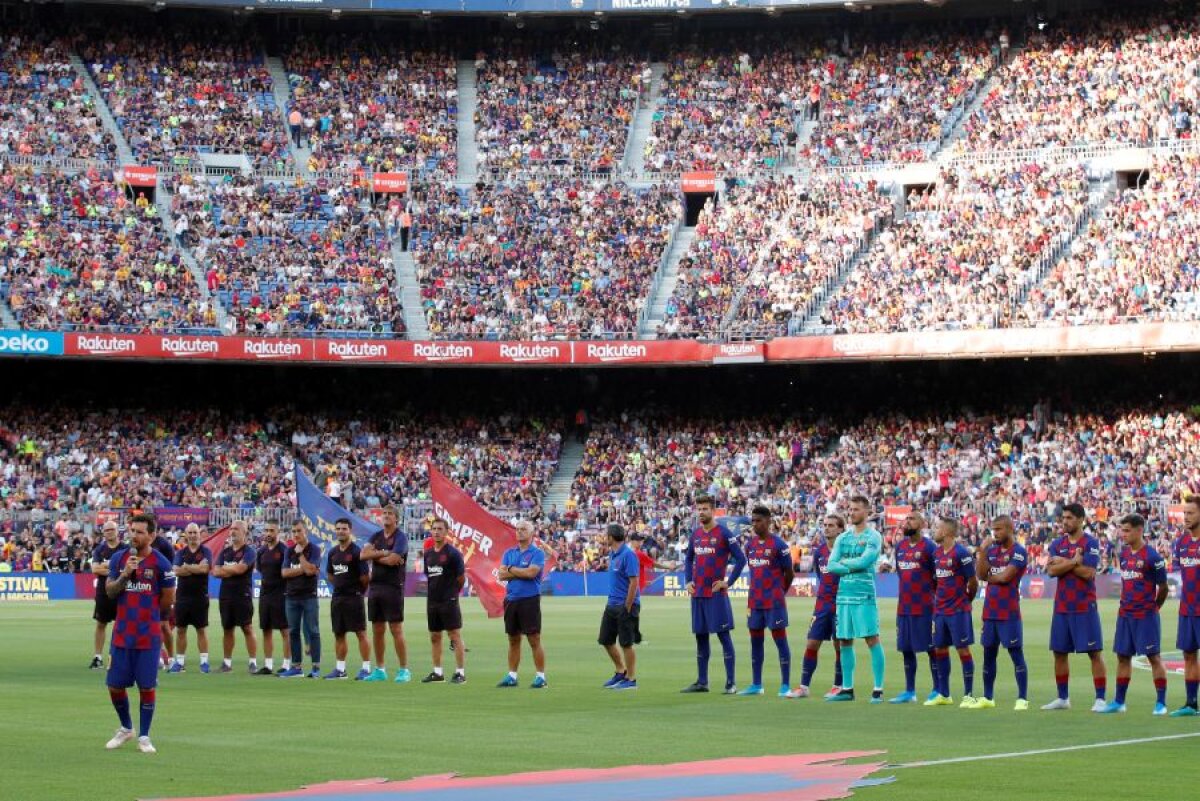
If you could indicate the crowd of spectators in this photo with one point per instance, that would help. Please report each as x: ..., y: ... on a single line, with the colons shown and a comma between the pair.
x: 45, y: 109
x: 175, y: 94
x: 1127, y: 77
x: 889, y: 100
x: 561, y: 258
x: 365, y: 103
x: 290, y: 257
x: 964, y: 252
x: 1139, y: 258
x: 730, y: 110
x: 560, y: 109
x: 78, y: 252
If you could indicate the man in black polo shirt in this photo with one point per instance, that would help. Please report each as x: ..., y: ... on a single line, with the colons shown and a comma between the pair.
x: 235, y: 568
x: 388, y: 554
x: 192, y: 564
x: 300, y: 601
x: 346, y: 573
x: 272, y: 614
x: 445, y: 573
x: 104, y: 611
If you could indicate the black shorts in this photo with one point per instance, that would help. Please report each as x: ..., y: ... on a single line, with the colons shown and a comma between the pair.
x: 347, y: 614
x: 617, y: 625
x: 385, y: 603
x: 191, y: 612
x: 105, y: 609
x: 271, y: 613
x: 236, y: 612
x: 444, y: 616
x: 523, y: 616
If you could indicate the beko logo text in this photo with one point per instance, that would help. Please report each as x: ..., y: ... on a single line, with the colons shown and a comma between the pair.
x: 24, y: 343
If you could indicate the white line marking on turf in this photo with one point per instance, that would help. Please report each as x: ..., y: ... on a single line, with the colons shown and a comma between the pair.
x: 1014, y: 754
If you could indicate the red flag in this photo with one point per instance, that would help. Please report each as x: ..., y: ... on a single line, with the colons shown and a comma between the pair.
x: 481, y: 536
x: 215, y: 542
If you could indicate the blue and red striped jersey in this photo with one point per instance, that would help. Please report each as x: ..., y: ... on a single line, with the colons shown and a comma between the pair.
x: 954, y: 569
x: 770, y: 560
x: 137, y: 623
x: 1075, y: 595
x: 707, y: 557
x: 827, y: 583
x: 1141, y: 573
x: 1187, y: 562
x: 1003, y: 601
x: 914, y: 565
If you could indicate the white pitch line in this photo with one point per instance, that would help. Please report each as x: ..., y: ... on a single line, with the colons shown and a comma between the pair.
x: 1014, y: 754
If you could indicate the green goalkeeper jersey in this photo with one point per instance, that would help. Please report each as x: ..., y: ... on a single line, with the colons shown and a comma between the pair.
x: 854, y: 558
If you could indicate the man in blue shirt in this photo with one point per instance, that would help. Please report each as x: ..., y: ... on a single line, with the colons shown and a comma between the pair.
x: 522, y: 568
x: 620, y: 620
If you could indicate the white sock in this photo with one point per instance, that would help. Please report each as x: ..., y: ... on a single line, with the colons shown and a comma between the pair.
x: 179, y: 659
x: 437, y: 671
x: 254, y: 664
x: 512, y: 674
x: 269, y: 662
x: 97, y: 656
x: 367, y: 666
x: 227, y: 662
x: 460, y: 671
x: 341, y: 665
x: 204, y: 659
x: 287, y: 664
x: 540, y: 675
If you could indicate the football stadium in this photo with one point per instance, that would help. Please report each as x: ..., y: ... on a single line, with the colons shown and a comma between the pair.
x: 599, y: 400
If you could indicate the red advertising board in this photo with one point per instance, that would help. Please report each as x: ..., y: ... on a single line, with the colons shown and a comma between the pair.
x: 659, y: 351
x: 739, y: 353
x: 699, y: 181
x: 197, y: 348
x: 135, y: 175
x: 390, y: 182
x: 893, y: 516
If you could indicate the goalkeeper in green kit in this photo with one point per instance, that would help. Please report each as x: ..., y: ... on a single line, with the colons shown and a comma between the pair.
x: 854, y: 556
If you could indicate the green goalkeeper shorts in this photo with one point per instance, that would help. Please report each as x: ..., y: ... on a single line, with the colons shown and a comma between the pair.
x: 855, y: 621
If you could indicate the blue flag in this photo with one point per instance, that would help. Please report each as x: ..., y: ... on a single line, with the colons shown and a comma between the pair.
x: 319, y: 511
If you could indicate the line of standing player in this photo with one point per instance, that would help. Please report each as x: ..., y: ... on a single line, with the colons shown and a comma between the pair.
x: 939, y: 580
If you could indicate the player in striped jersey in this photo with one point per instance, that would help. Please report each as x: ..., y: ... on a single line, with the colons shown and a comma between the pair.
x: 1000, y: 562
x: 1187, y: 637
x: 824, y: 610
x: 771, y: 575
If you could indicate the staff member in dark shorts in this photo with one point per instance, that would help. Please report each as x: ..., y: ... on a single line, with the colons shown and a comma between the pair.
x: 272, y: 614
x: 104, y: 611
x: 445, y: 574
x: 192, y: 564
x: 620, y: 620
x: 346, y: 573
x: 522, y: 568
x: 235, y: 568
x: 300, y: 585
x: 388, y: 554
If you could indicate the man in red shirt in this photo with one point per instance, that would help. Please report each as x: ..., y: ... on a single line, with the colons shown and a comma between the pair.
x: 646, y: 562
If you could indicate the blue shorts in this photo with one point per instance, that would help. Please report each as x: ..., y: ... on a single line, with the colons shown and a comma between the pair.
x: 953, y: 631
x: 1076, y: 633
x: 855, y: 621
x: 712, y: 615
x: 914, y: 633
x: 130, y: 666
x: 1003, y: 633
x: 1187, y: 638
x: 1138, y: 636
x: 774, y: 618
x: 822, y: 626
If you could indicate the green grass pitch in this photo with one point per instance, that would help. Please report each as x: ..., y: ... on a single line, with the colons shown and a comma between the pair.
x: 236, y: 733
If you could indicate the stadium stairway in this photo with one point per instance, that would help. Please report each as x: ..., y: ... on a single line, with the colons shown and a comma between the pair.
x: 946, y: 147
x: 124, y: 151
x: 570, y: 457
x: 666, y: 280
x: 281, y: 88
x: 409, y: 289
x: 7, y: 319
x: 163, y: 200
x: 468, y: 151
x: 633, y: 162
